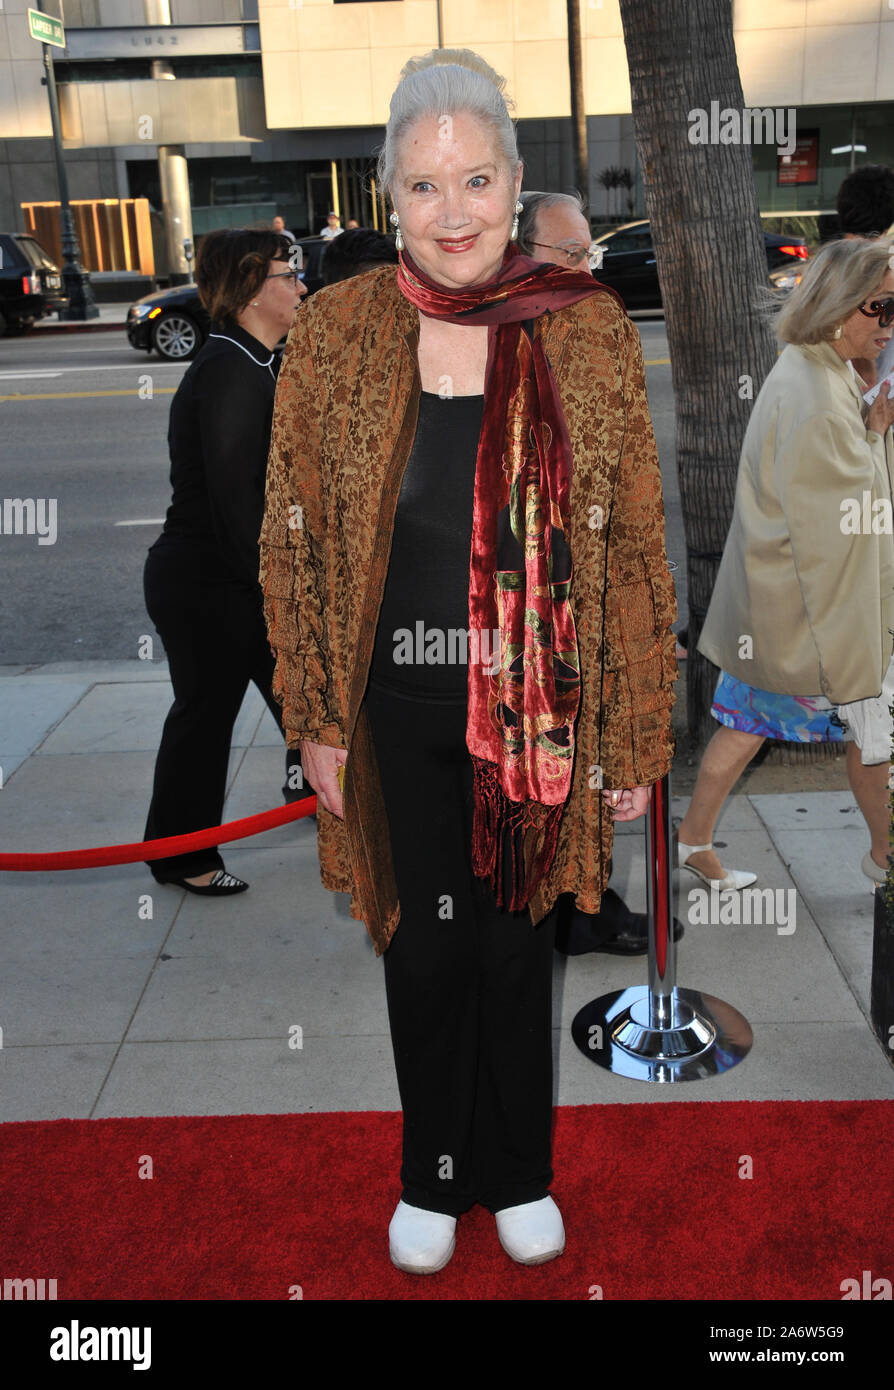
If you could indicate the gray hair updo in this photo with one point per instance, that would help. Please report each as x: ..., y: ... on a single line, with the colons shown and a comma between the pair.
x: 444, y: 82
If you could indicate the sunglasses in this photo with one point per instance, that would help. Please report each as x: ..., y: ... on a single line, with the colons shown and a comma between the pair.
x: 881, y: 309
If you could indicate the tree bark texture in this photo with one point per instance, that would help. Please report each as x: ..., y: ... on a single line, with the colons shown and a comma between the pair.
x: 702, y: 205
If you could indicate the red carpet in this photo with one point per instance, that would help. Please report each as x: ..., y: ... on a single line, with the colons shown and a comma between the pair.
x: 243, y: 1207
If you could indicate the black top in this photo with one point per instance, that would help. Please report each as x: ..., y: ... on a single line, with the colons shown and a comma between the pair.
x: 426, y: 601
x: 219, y: 437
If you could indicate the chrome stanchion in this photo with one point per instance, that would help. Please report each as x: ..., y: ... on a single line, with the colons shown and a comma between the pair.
x: 660, y: 1032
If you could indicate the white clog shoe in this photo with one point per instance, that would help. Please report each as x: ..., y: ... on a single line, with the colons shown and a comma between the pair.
x: 421, y: 1242
x: 533, y: 1232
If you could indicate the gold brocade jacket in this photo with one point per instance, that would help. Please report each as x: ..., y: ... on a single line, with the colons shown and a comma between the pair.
x: 344, y: 421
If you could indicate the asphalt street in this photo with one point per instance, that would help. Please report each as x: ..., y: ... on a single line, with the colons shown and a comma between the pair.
x: 83, y: 420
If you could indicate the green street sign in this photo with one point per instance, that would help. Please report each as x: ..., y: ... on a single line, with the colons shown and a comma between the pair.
x: 46, y: 29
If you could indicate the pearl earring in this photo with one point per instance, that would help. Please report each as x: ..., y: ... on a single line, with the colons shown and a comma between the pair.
x: 398, y: 239
x: 513, y: 235
x: 837, y: 333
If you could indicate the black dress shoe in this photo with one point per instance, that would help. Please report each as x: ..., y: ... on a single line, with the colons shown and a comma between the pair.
x: 632, y: 939
x: 222, y: 885
x: 614, y: 929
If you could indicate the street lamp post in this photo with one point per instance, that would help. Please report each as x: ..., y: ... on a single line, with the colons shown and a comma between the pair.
x: 79, y: 293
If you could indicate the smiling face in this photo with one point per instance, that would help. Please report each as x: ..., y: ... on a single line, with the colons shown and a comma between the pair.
x: 455, y: 198
x: 862, y: 336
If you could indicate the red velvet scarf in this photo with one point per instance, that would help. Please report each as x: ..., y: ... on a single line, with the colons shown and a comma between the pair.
x: 524, y: 691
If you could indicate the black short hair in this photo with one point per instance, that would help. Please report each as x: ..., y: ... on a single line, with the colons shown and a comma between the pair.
x: 231, y: 266
x: 356, y: 250
x: 866, y: 200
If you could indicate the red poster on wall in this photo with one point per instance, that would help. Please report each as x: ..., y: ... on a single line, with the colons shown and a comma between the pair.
x: 801, y: 165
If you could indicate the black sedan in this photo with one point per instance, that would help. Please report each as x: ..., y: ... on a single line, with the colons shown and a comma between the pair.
x: 173, y: 323
x: 628, y: 263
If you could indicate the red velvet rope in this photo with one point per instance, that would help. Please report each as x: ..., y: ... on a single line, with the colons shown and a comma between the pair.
x: 104, y: 855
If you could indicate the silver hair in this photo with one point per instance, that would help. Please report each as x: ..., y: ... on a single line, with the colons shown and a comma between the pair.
x: 534, y: 203
x: 443, y: 82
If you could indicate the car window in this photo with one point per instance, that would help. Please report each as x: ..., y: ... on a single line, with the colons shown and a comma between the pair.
x: 9, y: 252
x: 35, y: 254
x: 629, y: 241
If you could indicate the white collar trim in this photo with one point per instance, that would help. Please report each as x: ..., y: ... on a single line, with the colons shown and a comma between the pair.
x: 228, y: 339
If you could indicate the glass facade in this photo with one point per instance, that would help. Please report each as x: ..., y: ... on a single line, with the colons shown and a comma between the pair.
x: 140, y: 69
x: 840, y: 138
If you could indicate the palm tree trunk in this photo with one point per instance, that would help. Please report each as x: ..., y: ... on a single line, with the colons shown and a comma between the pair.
x: 703, y: 208
x: 578, y: 109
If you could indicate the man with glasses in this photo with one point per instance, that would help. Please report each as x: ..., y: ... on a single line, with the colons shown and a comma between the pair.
x: 552, y: 227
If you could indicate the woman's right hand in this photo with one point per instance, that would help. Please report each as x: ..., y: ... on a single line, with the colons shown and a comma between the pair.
x: 881, y: 412
x: 320, y: 765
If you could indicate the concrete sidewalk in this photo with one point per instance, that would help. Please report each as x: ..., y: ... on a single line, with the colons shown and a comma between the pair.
x: 121, y: 997
x: 111, y: 316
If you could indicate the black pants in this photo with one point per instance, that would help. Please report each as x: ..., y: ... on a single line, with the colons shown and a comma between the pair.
x: 468, y: 986
x: 215, y: 639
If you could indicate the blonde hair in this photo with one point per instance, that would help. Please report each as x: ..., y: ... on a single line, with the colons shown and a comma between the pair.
x: 444, y: 82
x: 838, y: 279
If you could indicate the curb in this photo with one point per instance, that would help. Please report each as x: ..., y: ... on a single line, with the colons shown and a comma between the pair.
x: 87, y: 327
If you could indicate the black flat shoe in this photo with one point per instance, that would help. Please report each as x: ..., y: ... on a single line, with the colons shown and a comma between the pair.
x: 222, y: 885
x: 614, y: 930
x: 633, y: 938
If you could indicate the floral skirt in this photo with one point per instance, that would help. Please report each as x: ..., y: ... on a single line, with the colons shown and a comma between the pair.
x: 792, y: 718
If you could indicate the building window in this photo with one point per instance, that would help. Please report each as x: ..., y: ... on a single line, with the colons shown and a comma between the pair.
x: 140, y: 69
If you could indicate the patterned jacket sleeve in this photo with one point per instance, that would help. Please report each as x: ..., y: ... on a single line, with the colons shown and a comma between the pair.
x: 293, y: 544
x: 640, y: 605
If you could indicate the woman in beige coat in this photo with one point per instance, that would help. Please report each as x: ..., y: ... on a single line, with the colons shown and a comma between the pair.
x: 802, y: 613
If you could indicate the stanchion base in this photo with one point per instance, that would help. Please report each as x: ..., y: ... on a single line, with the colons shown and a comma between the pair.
x: 704, y: 1036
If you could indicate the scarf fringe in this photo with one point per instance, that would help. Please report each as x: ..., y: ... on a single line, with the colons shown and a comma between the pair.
x: 528, y: 829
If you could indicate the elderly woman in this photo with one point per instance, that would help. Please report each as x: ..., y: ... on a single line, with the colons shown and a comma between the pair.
x: 802, y: 613
x: 469, y: 600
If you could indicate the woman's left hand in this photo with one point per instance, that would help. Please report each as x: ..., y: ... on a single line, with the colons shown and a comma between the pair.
x: 629, y: 804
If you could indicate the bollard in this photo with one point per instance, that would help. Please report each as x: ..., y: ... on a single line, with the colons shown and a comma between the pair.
x: 660, y: 1032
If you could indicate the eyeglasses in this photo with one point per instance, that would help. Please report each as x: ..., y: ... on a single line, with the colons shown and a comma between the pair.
x: 881, y: 309
x: 575, y: 254
x: 293, y: 275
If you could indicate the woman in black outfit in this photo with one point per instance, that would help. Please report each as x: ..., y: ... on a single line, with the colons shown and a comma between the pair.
x: 201, y: 575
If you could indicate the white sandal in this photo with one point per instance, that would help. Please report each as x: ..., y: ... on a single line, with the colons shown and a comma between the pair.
x: 873, y: 870
x: 735, y: 879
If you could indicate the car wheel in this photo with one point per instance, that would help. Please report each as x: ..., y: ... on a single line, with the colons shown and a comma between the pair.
x: 176, y: 337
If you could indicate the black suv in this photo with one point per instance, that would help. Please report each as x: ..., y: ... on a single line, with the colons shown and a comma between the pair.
x: 174, y: 324
x: 30, y: 282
